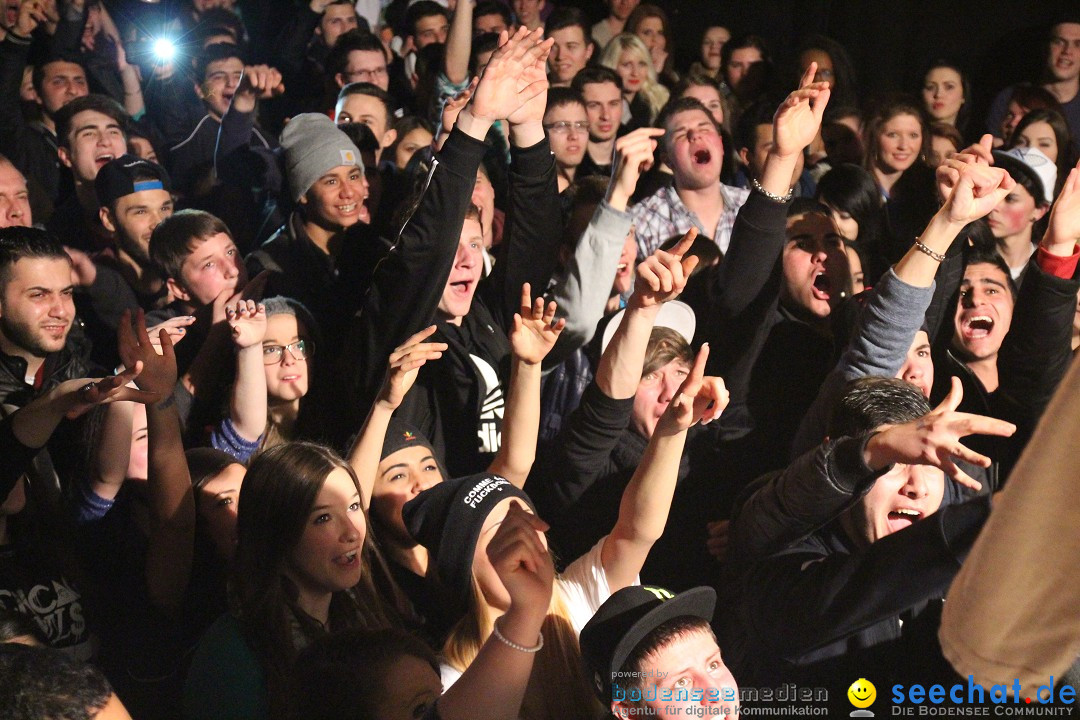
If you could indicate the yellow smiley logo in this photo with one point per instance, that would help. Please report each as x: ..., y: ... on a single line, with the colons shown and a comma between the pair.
x: 862, y: 693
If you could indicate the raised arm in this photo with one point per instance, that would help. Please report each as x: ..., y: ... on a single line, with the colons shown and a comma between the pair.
x: 898, y: 305
x: 585, y: 287
x: 405, y: 364
x: 659, y: 279
x: 247, y: 404
x: 534, y: 334
x: 171, y: 544
x: 493, y: 685
x: 28, y: 430
x: 582, y: 452
x: 758, y: 240
x: 646, y: 502
x: 235, y: 159
x: 533, y: 218
x: 408, y: 283
x: 822, y: 483
x: 1036, y: 352
x: 459, y: 44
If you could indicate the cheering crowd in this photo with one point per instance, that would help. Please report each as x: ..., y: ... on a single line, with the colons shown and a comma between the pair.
x: 365, y: 360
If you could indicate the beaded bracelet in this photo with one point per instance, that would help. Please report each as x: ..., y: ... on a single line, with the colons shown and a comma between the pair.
x: 782, y: 199
x: 514, y: 645
x: 927, y: 251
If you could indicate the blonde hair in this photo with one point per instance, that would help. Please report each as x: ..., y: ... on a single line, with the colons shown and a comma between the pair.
x: 558, y: 688
x: 655, y: 94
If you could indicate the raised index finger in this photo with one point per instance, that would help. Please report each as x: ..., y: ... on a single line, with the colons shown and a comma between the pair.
x: 684, y: 245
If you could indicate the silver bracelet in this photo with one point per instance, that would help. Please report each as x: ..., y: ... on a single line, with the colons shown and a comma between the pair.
x: 927, y: 251
x: 773, y: 196
x: 514, y: 645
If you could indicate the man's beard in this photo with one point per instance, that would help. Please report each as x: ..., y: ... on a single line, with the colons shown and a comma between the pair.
x: 23, y: 337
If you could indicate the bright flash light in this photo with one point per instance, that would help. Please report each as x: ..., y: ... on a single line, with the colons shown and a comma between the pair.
x: 164, y: 50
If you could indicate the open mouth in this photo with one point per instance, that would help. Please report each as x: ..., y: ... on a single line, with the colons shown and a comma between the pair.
x: 102, y: 160
x: 822, y: 287
x: 977, y: 327
x: 349, y: 559
x: 702, y: 157
x: 461, y: 287
x: 902, y: 518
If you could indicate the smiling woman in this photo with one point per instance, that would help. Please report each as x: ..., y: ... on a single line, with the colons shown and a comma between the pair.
x: 305, y: 564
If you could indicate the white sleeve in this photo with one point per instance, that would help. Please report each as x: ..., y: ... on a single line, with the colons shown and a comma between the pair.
x: 584, y: 586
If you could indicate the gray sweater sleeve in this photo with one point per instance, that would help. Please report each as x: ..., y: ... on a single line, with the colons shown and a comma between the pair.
x: 879, y: 345
x: 583, y: 289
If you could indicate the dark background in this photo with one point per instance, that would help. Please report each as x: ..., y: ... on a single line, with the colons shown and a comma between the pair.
x: 997, y: 42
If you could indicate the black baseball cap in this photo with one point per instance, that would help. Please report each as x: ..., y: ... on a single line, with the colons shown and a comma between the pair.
x: 117, y: 178
x: 626, y: 618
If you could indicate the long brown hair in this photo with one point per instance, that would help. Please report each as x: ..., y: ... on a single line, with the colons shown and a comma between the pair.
x: 279, y: 490
x: 886, y: 111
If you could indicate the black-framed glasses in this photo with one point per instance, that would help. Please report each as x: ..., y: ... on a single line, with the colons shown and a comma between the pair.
x: 299, y: 350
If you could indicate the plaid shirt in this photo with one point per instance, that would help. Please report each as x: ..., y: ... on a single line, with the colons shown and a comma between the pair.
x: 662, y: 215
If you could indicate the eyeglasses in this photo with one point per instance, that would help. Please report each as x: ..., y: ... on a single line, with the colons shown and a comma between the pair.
x: 273, y: 354
x: 563, y: 127
x: 365, y: 75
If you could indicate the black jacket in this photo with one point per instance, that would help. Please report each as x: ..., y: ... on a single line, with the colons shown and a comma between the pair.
x: 31, y: 148
x: 807, y: 604
x: 191, y: 160
x: 1033, y: 359
x: 455, y: 402
x: 330, y: 286
x: 578, y: 481
x: 52, y: 469
x: 772, y: 361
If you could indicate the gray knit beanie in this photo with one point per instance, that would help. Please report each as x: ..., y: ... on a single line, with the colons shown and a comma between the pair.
x: 314, y: 146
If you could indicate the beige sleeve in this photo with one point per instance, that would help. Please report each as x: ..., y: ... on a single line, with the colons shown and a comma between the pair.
x: 1013, y: 612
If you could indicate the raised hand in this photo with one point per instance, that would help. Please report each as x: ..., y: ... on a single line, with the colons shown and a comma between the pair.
x: 509, y: 80
x: 83, y: 269
x: 534, y: 75
x: 260, y: 81
x: 947, y: 175
x: 798, y: 119
x: 404, y: 366
x: 31, y: 14
x: 1063, y: 232
x: 977, y: 189
x: 535, y: 330
x: 700, y: 398
x: 934, y: 439
x: 522, y: 562
x: 158, y: 374
x: 87, y: 393
x: 450, y: 111
x: 248, y: 322
x: 663, y: 275
x: 175, y: 328
x: 633, y: 156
